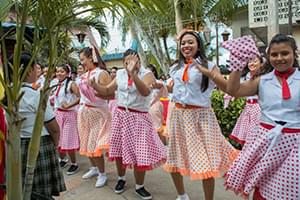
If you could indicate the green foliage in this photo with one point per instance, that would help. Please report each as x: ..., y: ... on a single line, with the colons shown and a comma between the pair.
x: 5, y: 5
x: 227, y: 117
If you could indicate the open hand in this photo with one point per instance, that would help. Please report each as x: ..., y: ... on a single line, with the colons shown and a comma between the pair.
x: 132, y: 64
x: 157, y: 85
x: 65, y: 105
x: 170, y: 85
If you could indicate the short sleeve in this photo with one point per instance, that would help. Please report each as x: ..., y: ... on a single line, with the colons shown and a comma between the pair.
x: 49, y: 114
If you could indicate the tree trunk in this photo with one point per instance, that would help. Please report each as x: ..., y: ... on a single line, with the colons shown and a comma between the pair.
x: 178, y: 16
x: 160, y: 53
x: 34, y: 145
x: 141, y: 51
x: 153, y: 45
x: 13, y: 158
x: 178, y: 20
x: 14, y: 162
x: 167, y: 50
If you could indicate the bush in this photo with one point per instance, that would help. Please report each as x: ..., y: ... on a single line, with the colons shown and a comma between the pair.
x: 227, y: 117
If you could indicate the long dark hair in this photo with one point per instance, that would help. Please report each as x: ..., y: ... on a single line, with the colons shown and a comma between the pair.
x: 88, y: 52
x: 282, y: 38
x: 200, y: 53
x: 68, y: 78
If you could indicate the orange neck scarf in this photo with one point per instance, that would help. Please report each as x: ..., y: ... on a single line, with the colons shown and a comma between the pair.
x: 185, y: 76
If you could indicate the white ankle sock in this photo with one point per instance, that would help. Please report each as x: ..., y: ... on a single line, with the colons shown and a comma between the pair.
x: 102, y: 174
x: 183, y: 196
x: 122, y: 178
x: 63, y: 159
x: 137, y: 187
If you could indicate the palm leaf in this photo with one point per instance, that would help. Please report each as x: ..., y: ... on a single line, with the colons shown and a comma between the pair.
x: 225, y: 9
x: 5, y: 6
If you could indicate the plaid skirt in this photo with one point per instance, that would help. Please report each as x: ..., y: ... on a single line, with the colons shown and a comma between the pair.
x: 48, y: 180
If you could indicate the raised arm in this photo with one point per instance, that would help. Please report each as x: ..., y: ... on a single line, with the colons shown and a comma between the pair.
x: 215, y: 76
x: 237, y: 89
x: 142, y: 85
x: 105, y: 87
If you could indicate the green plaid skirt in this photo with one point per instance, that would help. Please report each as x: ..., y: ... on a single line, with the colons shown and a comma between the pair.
x: 48, y: 178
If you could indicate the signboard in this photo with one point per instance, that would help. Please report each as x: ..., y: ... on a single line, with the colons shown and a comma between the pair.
x: 258, y: 12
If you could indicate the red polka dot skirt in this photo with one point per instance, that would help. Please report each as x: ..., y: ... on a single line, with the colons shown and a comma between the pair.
x: 135, y: 141
x: 197, y: 147
x: 94, y: 130
x: 247, y: 121
x: 68, y: 137
x: 269, y: 164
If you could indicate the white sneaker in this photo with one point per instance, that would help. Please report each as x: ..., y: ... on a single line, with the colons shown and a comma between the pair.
x: 91, y: 173
x: 185, y: 197
x: 101, y: 180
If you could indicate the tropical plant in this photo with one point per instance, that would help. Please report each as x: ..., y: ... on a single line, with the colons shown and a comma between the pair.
x: 227, y: 117
x: 49, y: 18
x: 200, y: 10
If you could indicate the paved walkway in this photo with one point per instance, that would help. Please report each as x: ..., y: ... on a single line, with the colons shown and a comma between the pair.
x: 158, y: 182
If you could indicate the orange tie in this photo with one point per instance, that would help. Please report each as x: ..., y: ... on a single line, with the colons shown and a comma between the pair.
x: 185, y: 76
x: 35, y: 85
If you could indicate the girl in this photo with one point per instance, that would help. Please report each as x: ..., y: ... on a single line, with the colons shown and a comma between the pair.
x: 38, y: 85
x: 249, y: 118
x: 66, y: 99
x: 269, y: 161
x: 133, y: 142
x: 156, y: 107
x: 197, y: 147
x: 48, y: 180
x: 94, y: 117
x: 80, y: 71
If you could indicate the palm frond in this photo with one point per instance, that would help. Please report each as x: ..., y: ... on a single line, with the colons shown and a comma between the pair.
x: 5, y: 6
x: 225, y: 9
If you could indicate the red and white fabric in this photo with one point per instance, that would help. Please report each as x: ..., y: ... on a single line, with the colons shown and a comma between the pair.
x: 247, y: 121
x: 134, y: 141
x: 68, y: 138
x: 268, y: 163
x: 242, y: 51
x: 94, y: 130
x: 197, y: 147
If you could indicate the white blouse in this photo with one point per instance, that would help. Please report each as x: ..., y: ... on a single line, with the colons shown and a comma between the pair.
x: 129, y: 96
x: 190, y: 93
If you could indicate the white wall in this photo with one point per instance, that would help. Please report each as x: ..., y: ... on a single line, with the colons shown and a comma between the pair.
x: 239, y: 21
